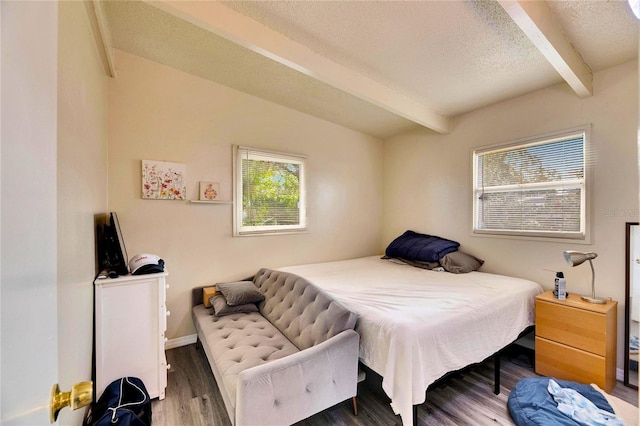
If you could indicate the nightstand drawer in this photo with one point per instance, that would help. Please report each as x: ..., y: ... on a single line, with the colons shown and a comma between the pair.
x: 574, y: 327
x: 567, y: 363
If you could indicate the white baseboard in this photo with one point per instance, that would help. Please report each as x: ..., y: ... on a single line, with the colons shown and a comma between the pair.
x: 620, y: 374
x: 181, y: 341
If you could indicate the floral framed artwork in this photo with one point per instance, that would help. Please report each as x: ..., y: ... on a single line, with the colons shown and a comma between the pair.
x: 162, y: 180
x: 209, y: 191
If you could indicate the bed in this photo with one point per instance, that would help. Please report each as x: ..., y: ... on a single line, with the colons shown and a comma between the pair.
x: 416, y: 325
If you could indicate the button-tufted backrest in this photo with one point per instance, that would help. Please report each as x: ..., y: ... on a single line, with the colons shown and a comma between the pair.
x: 301, y: 311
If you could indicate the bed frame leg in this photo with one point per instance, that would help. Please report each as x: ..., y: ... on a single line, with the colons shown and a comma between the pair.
x: 496, y: 373
x: 354, y: 401
x: 415, y: 415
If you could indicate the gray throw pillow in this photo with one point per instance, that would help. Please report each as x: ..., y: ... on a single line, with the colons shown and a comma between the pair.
x: 240, y: 293
x: 459, y: 262
x: 221, y: 308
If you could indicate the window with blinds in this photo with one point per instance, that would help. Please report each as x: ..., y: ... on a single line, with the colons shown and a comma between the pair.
x: 269, y: 192
x: 535, y: 188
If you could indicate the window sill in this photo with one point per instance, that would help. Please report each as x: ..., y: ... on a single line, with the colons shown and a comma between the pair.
x: 562, y: 240
x: 210, y: 202
x: 267, y: 233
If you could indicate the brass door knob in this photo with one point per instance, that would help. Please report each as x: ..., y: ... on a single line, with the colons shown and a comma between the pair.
x: 81, y: 394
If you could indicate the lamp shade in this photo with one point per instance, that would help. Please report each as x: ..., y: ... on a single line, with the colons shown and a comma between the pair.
x: 575, y: 258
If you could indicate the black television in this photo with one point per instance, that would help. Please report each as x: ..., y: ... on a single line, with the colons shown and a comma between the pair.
x: 112, y: 252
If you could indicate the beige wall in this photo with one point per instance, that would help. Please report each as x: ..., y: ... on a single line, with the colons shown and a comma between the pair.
x: 158, y: 113
x: 82, y: 190
x: 428, y: 181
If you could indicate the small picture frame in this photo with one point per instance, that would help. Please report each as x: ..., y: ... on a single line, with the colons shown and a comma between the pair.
x: 209, y: 191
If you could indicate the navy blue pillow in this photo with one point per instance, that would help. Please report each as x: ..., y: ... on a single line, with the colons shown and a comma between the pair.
x: 426, y: 248
x: 531, y: 404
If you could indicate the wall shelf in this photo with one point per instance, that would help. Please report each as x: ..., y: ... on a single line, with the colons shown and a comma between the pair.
x: 211, y: 202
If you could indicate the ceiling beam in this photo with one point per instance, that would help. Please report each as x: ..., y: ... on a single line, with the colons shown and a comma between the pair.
x: 536, y: 20
x: 237, y: 28
x: 102, y: 35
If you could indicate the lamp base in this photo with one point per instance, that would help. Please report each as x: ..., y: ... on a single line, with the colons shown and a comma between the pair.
x: 594, y: 299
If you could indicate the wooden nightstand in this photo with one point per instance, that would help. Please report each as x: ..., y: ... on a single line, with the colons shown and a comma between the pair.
x: 576, y: 340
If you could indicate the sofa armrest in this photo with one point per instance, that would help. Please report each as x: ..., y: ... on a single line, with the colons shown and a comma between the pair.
x: 292, y: 388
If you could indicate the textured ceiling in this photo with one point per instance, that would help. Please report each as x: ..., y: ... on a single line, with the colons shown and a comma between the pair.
x: 453, y: 55
x: 604, y: 32
x: 145, y: 31
x: 450, y: 56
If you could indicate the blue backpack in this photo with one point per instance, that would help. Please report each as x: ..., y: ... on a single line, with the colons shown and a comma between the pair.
x: 125, y: 402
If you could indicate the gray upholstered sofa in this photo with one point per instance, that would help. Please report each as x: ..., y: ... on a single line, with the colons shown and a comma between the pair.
x: 295, y: 357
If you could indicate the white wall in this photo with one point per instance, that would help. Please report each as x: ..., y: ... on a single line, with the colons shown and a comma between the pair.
x: 428, y: 182
x: 82, y: 190
x: 159, y: 113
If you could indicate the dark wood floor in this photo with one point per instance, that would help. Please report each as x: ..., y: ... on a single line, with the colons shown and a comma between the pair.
x: 463, y: 398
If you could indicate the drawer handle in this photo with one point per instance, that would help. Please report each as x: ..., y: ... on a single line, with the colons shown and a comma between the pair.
x: 168, y: 313
x: 166, y: 286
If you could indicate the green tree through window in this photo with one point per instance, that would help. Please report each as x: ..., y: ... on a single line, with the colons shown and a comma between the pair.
x: 270, y: 192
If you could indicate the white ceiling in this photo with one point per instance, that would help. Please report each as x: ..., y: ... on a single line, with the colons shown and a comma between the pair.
x: 380, y: 67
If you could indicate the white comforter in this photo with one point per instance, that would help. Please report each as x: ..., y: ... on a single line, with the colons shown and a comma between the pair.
x: 416, y: 325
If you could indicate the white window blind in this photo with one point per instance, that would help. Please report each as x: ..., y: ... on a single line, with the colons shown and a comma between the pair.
x: 270, y: 192
x: 535, y: 188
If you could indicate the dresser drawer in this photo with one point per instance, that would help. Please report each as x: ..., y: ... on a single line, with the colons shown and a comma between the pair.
x: 130, y: 324
x: 574, y: 327
x: 567, y: 363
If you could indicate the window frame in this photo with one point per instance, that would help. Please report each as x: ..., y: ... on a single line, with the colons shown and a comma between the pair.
x: 583, y: 236
x: 240, y: 230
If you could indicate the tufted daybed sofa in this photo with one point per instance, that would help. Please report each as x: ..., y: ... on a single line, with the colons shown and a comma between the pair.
x: 295, y: 357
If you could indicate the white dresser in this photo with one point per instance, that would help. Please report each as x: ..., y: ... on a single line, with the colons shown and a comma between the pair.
x: 131, y: 319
